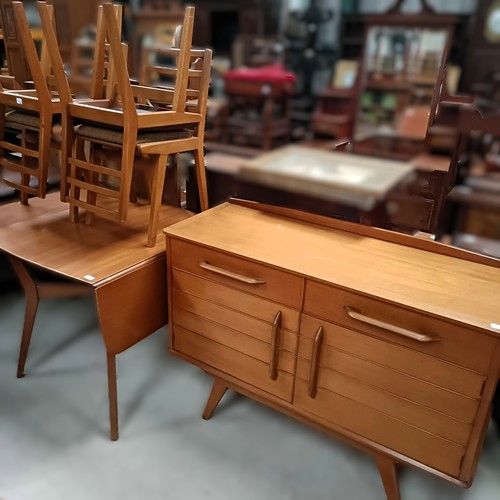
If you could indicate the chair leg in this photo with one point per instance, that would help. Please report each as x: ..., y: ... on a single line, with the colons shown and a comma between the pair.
x: 25, y: 178
x: 66, y: 146
x: 32, y: 299
x: 74, y: 191
x: 156, y: 196
x: 113, y: 397
x: 201, y: 178
x: 44, y: 136
x: 127, y: 165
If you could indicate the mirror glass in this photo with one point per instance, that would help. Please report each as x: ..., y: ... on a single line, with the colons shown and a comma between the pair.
x: 401, y: 66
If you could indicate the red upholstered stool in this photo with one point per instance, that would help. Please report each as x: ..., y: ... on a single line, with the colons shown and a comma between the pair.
x: 258, y: 112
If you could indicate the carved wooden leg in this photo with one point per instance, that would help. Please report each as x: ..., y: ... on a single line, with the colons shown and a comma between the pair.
x: 32, y: 299
x: 388, y: 472
x: 216, y: 394
x: 113, y: 397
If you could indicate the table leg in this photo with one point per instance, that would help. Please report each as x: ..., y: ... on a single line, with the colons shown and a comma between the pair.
x: 32, y: 300
x: 113, y: 397
x: 130, y: 308
x: 33, y: 292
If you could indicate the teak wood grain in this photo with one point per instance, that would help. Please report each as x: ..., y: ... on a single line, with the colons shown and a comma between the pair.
x: 433, y: 282
x: 409, y: 376
x: 127, y: 278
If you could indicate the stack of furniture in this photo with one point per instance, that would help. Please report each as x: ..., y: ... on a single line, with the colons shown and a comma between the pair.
x: 27, y: 115
x: 119, y: 130
x: 110, y: 261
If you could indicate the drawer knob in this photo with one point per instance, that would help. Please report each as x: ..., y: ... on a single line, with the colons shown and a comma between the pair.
x: 230, y: 274
x: 275, y: 342
x: 420, y: 337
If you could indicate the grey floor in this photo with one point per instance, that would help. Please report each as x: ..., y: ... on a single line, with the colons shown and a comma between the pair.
x: 54, y: 425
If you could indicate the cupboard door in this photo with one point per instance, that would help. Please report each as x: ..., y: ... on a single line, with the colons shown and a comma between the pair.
x: 353, y: 391
x: 244, y: 336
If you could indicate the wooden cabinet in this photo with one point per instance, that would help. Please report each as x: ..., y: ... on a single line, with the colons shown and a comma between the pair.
x: 385, y: 341
x: 223, y: 316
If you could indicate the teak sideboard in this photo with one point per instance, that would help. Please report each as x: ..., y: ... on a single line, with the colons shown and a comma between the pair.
x: 386, y: 341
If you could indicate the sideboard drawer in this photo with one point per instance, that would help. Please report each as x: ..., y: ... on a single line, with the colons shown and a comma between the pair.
x: 236, y: 272
x: 462, y: 346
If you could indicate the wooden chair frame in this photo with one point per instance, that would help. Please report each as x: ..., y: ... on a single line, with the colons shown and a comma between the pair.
x: 42, y: 103
x: 120, y: 110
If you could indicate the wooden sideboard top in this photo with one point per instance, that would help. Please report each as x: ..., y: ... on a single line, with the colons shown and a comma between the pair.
x: 442, y: 285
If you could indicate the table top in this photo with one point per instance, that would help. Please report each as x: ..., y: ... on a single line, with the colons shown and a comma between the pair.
x: 42, y: 234
x: 423, y: 280
x: 354, y: 180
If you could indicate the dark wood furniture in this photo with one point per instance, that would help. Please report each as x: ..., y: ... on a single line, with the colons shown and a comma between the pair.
x: 482, y: 59
x: 219, y: 22
x: 72, y: 17
x: 334, y: 113
x: 257, y: 113
x: 147, y: 21
x: 389, y: 356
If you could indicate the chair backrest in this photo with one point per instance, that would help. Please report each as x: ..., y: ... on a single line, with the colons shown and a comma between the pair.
x: 103, y: 72
x: 100, y: 79
x: 40, y: 68
x: 54, y: 55
x: 16, y: 62
x: 198, y: 77
x: 118, y: 63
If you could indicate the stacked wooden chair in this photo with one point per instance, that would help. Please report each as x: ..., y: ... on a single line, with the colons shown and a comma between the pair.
x: 27, y: 117
x: 17, y: 71
x: 132, y: 124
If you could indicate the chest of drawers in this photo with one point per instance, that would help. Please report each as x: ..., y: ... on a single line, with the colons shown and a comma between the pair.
x: 387, y: 342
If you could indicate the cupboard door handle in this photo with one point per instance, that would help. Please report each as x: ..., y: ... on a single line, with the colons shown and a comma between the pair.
x: 420, y: 337
x: 230, y: 274
x: 313, y: 375
x: 275, y: 342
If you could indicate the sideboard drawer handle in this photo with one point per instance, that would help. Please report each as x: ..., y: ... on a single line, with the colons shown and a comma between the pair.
x: 313, y: 374
x: 275, y: 342
x: 420, y: 337
x: 230, y: 274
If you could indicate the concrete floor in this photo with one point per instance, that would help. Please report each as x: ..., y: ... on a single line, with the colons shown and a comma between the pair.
x: 54, y: 429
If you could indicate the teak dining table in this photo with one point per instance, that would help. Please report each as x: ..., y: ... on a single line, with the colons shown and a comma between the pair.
x: 107, y: 259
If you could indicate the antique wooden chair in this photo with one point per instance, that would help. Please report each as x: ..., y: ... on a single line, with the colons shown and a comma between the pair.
x: 18, y: 70
x: 26, y: 130
x: 102, y: 82
x: 122, y: 130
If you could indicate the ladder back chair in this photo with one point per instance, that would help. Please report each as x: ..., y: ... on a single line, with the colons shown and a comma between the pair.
x: 133, y: 123
x: 26, y: 130
x: 102, y: 81
x: 17, y: 67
